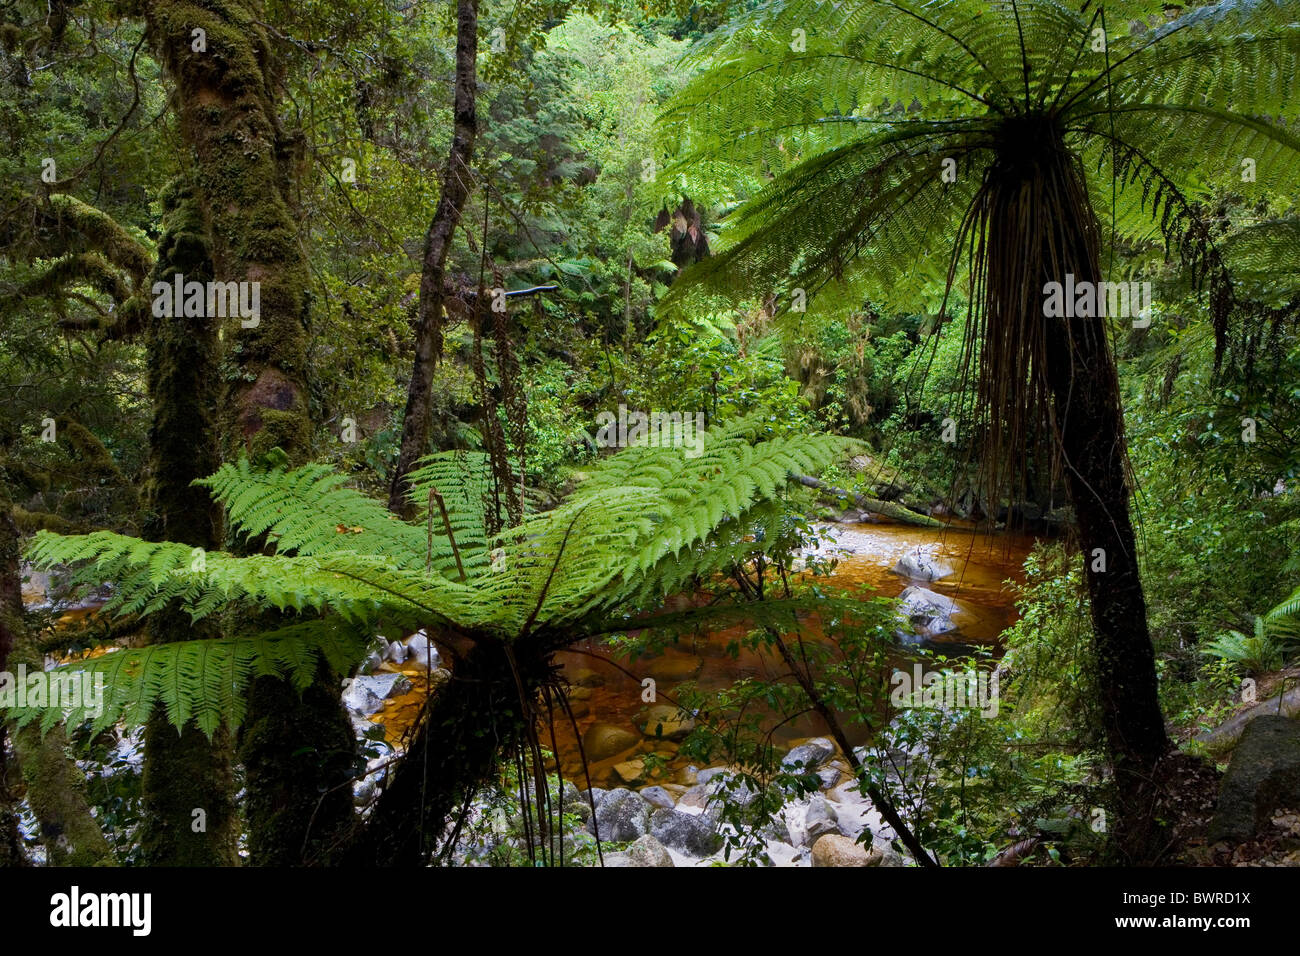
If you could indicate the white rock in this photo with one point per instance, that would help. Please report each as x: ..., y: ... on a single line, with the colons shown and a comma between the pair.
x: 783, y: 854
x: 361, y: 699
x: 921, y: 564
x: 928, y: 609
x: 421, y: 650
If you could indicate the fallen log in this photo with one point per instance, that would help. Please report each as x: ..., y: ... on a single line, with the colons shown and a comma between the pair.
x: 1226, y: 735
x: 888, y: 509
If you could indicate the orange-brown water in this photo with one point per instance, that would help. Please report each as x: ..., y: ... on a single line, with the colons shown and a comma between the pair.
x: 608, y: 689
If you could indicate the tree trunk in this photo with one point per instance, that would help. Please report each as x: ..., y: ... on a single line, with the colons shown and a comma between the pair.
x: 298, y: 762
x: 889, y: 509
x: 184, y: 772
x: 1081, y: 373
x: 474, y: 717
x: 1042, y: 200
x: 55, y: 787
x: 418, y: 419
x: 226, y: 103
x: 11, y: 610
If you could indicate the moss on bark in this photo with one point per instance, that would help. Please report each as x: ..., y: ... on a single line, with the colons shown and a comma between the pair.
x: 226, y: 103
x: 226, y: 96
x: 11, y: 604
x: 184, y: 772
x: 55, y: 787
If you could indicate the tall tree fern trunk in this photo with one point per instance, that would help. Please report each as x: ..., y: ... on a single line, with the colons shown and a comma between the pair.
x: 227, y: 89
x: 188, y: 785
x: 472, y: 720
x: 1086, y: 398
x: 417, y: 421
x: 1041, y: 229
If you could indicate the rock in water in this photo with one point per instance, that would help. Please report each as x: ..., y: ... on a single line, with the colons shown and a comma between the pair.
x: 658, y: 797
x: 644, y: 851
x: 585, y: 677
x: 604, y: 740
x: 921, y: 565
x: 622, y: 816
x: 692, y: 834
x: 928, y: 610
x: 835, y: 850
x: 632, y: 772
x: 665, y: 722
x: 811, y: 754
x: 1264, y: 775
x: 365, y: 695
x: 667, y: 669
x: 421, y: 651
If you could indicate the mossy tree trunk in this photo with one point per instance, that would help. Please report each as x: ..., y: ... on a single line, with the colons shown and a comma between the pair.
x: 226, y: 95
x: 184, y: 772
x: 55, y: 787
x: 11, y: 608
x: 227, y: 88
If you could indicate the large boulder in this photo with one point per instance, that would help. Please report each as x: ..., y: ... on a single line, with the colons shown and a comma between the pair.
x: 922, y: 564
x: 929, y: 612
x: 1264, y: 775
x: 692, y: 834
x: 809, y: 755
x: 835, y: 850
x: 665, y: 722
x: 644, y: 851
x: 604, y: 740
x: 621, y: 816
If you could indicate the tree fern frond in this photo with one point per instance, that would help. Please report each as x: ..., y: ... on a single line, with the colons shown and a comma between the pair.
x: 203, y: 680
x: 308, y: 511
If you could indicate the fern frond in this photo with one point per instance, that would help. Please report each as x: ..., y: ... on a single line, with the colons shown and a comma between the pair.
x: 307, y: 511
x: 203, y: 680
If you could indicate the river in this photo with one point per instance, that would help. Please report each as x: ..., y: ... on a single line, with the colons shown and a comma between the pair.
x: 604, y: 692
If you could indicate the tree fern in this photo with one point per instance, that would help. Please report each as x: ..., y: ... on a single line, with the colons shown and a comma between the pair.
x: 857, y: 124
x: 645, y: 521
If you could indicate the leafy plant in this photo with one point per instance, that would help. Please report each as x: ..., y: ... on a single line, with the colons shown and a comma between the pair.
x: 645, y: 522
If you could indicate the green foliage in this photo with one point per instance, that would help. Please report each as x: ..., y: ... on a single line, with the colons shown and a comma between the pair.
x: 203, y: 680
x: 850, y: 110
x: 1257, y: 653
x: 643, y: 523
